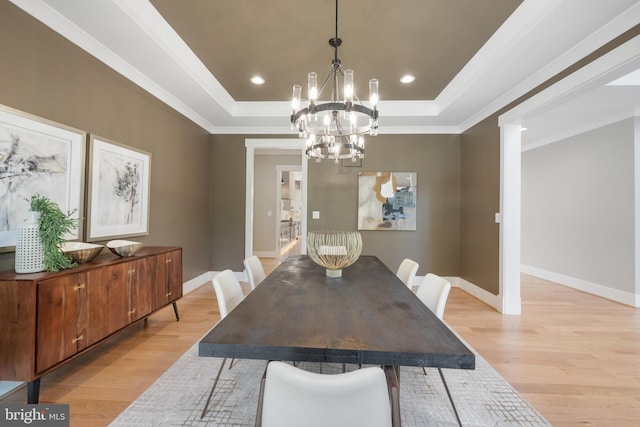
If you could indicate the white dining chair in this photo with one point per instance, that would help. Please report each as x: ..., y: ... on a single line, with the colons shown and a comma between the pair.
x: 229, y: 294
x: 407, y: 271
x: 255, y: 271
x: 434, y: 293
x: 292, y: 397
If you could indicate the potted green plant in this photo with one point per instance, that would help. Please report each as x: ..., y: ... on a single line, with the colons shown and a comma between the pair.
x: 54, y: 225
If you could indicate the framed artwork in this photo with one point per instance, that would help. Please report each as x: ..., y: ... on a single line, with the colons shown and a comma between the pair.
x: 387, y: 200
x: 119, y: 181
x: 38, y: 156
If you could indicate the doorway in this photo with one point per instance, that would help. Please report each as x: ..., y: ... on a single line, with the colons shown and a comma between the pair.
x: 289, y: 200
x: 290, y: 146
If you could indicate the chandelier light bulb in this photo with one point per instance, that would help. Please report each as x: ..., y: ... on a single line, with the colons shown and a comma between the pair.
x: 373, y: 92
x: 348, y: 85
x: 295, y: 100
x: 312, y: 86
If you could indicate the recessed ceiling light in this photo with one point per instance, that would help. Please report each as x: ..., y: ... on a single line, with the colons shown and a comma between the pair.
x: 257, y: 80
x: 407, y: 78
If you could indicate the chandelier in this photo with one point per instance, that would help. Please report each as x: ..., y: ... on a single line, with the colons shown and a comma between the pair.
x: 335, y: 129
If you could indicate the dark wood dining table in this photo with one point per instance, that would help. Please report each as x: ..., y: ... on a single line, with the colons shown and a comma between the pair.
x: 367, y: 316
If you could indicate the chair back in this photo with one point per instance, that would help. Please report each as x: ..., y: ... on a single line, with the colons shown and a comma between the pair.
x: 293, y: 397
x: 407, y: 271
x: 255, y: 272
x: 433, y: 292
x: 228, y: 291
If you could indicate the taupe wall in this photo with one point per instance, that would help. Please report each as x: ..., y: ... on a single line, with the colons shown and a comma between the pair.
x: 44, y: 74
x: 480, y: 200
x: 227, y: 200
x: 333, y: 191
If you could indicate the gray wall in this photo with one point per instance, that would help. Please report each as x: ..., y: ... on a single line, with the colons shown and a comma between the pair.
x: 578, y: 207
x: 43, y: 74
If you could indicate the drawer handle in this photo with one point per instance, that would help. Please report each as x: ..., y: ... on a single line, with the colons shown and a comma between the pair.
x: 168, y: 294
x: 132, y: 271
x: 167, y: 261
x: 75, y: 340
x: 78, y: 286
x: 132, y: 311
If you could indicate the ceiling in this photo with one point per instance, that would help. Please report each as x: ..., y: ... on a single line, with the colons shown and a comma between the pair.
x: 470, y: 58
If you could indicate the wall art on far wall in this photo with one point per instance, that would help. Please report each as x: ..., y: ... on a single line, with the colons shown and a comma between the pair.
x: 38, y: 156
x: 119, y: 180
x: 387, y: 200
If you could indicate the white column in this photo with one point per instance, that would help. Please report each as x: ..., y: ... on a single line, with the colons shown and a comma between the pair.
x: 248, y: 194
x: 636, y: 190
x: 510, y: 162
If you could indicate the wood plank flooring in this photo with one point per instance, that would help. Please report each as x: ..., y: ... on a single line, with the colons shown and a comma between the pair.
x: 574, y: 356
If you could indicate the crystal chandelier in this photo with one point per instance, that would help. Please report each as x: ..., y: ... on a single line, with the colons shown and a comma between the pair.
x: 335, y: 129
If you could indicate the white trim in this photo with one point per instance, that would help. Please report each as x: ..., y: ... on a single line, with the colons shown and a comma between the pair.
x: 580, y: 129
x: 266, y: 254
x: 8, y: 387
x: 607, y: 292
x: 636, y: 179
x: 509, y: 215
x: 616, y: 63
x: 476, y: 291
x: 196, y: 282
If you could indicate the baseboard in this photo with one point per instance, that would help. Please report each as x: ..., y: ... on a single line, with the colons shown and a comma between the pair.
x: 483, y: 295
x: 623, y: 297
x: 266, y: 254
x: 196, y: 282
x: 474, y: 290
x: 8, y: 387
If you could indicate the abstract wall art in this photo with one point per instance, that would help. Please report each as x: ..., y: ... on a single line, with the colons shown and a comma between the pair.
x: 387, y: 200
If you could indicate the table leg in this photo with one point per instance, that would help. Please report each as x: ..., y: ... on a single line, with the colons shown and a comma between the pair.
x: 453, y: 405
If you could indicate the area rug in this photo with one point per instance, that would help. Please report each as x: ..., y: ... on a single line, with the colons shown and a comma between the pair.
x: 482, y: 396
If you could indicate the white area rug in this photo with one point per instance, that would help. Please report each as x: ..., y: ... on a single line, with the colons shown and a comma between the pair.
x: 482, y: 396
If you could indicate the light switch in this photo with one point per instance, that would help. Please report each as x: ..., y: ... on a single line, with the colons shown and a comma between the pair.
x: 268, y: 213
x: 315, y: 215
x: 498, y: 218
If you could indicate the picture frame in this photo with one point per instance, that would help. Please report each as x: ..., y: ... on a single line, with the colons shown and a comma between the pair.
x: 119, y: 187
x: 38, y: 156
x: 387, y: 201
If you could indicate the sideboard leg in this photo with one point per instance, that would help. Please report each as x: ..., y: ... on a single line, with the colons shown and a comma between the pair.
x: 175, y: 310
x: 33, y: 391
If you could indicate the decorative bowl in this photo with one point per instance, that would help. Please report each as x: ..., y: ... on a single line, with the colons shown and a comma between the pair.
x: 81, y: 252
x: 123, y: 248
x: 334, y: 250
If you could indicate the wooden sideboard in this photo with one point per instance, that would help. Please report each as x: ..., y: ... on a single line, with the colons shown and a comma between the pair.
x: 47, y: 319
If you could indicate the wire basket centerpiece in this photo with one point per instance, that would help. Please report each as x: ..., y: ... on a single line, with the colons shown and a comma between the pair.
x: 334, y: 250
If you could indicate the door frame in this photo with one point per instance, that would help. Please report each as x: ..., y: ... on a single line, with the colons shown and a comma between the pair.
x: 251, y: 145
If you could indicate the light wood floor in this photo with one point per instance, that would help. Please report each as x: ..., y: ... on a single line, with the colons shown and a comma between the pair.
x: 575, y: 357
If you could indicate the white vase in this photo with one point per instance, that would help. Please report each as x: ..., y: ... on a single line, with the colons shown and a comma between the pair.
x: 29, y: 248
